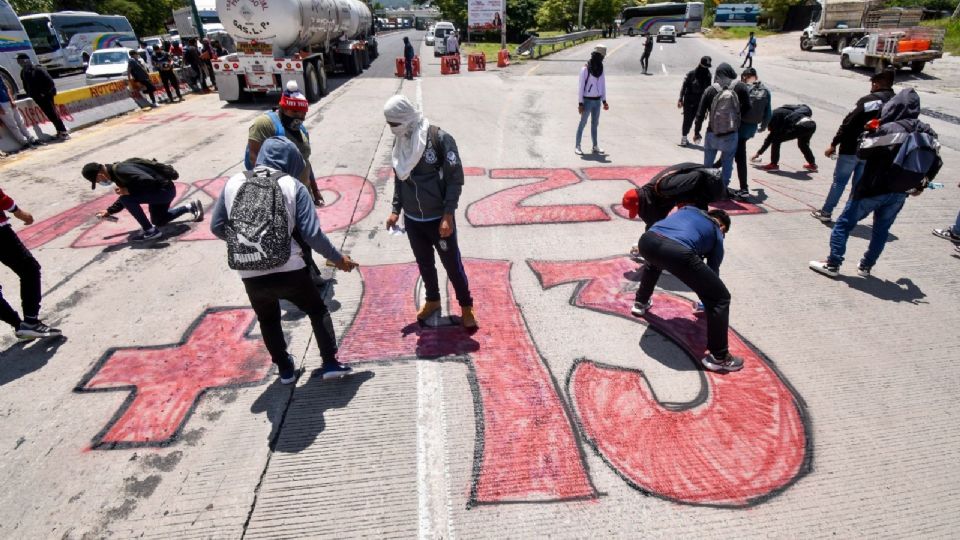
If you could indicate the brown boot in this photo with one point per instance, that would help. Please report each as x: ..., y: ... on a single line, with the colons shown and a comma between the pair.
x: 428, y: 309
x: 468, y: 318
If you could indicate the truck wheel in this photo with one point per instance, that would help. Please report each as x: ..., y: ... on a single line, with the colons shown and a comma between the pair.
x: 323, y: 78
x: 843, y: 44
x: 917, y: 66
x: 311, y: 78
x: 806, y: 44
x: 358, y: 60
x: 365, y: 58
x: 845, y: 62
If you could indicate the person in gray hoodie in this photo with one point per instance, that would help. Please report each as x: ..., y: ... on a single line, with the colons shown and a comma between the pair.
x: 291, y: 280
x: 721, y: 139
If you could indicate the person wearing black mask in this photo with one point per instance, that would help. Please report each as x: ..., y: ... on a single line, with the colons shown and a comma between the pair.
x: 645, y: 59
x: 408, y: 54
x: 39, y: 85
x: 694, y: 84
x: 191, y: 57
x: 593, y: 93
x: 168, y: 76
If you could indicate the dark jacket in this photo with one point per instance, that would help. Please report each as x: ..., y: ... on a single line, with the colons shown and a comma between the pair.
x: 694, y: 85
x: 37, y: 83
x: 681, y: 184
x: 724, y: 76
x: 137, y: 71
x: 434, y: 186
x: 647, y: 47
x: 408, y: 52
x: 868, y: 107
x: 692, y: 228
x: 785, y: 120
x: 163, y: 61
x: 191, y: 56
x: 899, y: 115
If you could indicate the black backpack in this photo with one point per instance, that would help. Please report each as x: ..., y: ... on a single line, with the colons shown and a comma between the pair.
x: 258, y: 236
x: 161, y: 170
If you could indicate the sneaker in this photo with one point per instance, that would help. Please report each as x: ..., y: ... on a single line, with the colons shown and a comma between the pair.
x: 947, y: 234
x: 726, y: 363
x: 824, y: 217
x: 742, y: 194
x: 468, y: 318
x: 825, y: 268
x: 288, y: 370
x: 640, y: 309
x: 63, y: 135
x: 811, y: 167
x: 698, y: 308
x: 335, y: 370
x: 598, y: 150
x: 28, y: 331
x: 196, y: 208
x: 684, y: 141
x: 578, y: 151
x: 770, y: 167
x: 428, y: 309
x: 147, y: 235
x: 862, y: 270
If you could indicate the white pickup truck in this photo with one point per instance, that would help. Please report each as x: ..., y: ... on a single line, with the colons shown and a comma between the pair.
x: 912, y: 47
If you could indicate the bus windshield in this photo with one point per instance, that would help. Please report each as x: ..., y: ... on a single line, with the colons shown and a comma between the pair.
x: 40, y: 35
x: 70, y: 25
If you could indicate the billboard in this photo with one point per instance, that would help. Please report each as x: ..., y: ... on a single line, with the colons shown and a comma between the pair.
x: 485, y: 15
x: 737, y: 15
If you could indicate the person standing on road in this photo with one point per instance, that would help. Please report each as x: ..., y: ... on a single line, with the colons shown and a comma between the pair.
x: 206, y: 58
x: 12, y: 119
x: 39, y: 85
x: 593, y: 93
x: 694, y: 84
x: 191, y: 58
x: 283, y: 276
x: 167, y: 75
x: 789, y: 122
x: 755, y: 119
x: 426, y: 189
x: 15, y: 256
x: 139, y: 181
x: 847, y: 140
x: 750, y: 48
x: 679, y: 244
x: 137, y: 74
x: 453, y: 44
x: 902, y: 157
x: 727, y: 100
x: 645, y: 58
x: 678, y: 185
x: 408, y: 54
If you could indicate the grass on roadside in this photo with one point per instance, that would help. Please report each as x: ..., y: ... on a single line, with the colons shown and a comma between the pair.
x: 491, y: 50
x: 951, y: 43
x: 735, y: 32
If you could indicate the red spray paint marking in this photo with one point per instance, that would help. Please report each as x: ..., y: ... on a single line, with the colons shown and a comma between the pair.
x: 386, y: 173
x: 167, y: 380
x: 211, y: 187
x: 109, y: 233
x: 530, y: 452
x: 639, y: 176
x: 339, y: 214
x: 180, y: 117
x: 747, y: 439
x: 48, y: 230
x: 505, y: 207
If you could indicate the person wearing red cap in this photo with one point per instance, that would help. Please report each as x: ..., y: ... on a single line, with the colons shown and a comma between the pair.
x: 678, y: 185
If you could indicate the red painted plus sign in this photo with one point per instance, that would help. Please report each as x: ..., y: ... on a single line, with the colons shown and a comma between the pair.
x: 165, y: 381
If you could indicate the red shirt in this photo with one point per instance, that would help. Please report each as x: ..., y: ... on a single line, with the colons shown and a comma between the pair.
x: 6, y: 205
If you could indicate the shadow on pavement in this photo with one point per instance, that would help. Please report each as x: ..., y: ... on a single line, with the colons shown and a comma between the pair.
x: 663, y: 350
x: 25, y: 357
x: 863, y: 232
x: 901, y: 290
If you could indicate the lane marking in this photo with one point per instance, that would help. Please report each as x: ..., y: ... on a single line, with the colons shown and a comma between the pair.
x: 534, y: 68
x: 622, y: 45
x: 661, y: 46
x: 664, y: 68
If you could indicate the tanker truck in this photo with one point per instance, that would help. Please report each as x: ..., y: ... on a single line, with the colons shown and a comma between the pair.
x: 292, y: 40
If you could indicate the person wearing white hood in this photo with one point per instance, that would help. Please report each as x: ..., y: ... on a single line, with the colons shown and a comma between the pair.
x: 427, y: 185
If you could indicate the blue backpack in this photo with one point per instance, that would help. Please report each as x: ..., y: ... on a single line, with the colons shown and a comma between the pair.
x: 278, y: 132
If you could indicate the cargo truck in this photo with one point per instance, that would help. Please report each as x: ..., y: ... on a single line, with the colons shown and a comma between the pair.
x: 292, y: 40
x: 838, y: 23
x: 912, y: 47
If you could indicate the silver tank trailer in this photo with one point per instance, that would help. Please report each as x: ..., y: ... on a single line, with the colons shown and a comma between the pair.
x: 294, y: 24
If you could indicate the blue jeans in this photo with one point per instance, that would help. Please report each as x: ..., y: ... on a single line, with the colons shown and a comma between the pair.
x: 956, y: 226
x: 591, y: 108
x: 847, y: 165
x: 726, y: 145
x: 885, y: 209
x: 158, y: 202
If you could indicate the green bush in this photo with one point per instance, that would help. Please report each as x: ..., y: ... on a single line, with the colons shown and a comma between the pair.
x: 951, y: 43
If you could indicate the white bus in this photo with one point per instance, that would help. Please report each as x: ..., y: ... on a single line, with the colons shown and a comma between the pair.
x: 13, y: 41
x: 65, y: 40
x: 645, y: 20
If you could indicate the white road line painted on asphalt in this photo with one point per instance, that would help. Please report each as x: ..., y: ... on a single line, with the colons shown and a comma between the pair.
x: 664, y: 68
x: 661, y: 47
x: 609, y: 54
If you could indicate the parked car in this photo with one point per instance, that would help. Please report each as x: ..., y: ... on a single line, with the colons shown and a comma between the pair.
x: 429, y: 38
x: 440, y: 33
x: 667, y: 32
x: 107, y: 64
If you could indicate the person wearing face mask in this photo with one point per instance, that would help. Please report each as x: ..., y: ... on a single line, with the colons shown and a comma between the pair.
x: 593, y: 93
x: 426, y: 189
x: 139, y: 181
x: 286, y: 121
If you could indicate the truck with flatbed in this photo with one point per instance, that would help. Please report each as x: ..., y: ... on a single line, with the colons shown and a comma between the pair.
x: 292, y: 40
x: 838, y: 23
x: 912, y: 47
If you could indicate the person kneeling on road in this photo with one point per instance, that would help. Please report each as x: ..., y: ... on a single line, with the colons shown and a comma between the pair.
x: 140, y: 181
x: 259, y: 214
x: 678, y: 244
x: 789, y: 122
x: 678, y: 185
x: 427, y: 186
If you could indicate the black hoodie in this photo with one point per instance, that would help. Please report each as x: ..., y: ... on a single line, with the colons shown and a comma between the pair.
x: 724, y: 76
x: 868, y: 107
x: 694, y: 84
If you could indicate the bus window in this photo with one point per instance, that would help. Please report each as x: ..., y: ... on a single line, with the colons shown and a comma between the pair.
x: 74, y: 24
x: 8, y: 19
x: 41, y: 35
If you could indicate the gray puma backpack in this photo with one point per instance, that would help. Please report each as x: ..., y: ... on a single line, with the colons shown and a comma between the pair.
x: 725, y: 110
x: 258, y: 237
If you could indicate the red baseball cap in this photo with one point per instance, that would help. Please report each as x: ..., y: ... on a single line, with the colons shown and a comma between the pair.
x: 631, y: 201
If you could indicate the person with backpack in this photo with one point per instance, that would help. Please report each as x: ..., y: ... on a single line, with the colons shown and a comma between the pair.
x: 678, y: 185
x: 408, y: 54
x: 260, y: 213
x: 902, y: 156
x: 15, y: 256
x: 141, y: 181
x: 726, y: 100
x: 789, y: 122
x: 593, y: 93
x: 679, y: 244
x: 756, y: 119
x: 138, y: 76
x: 426, y: 189
x: 750, y: 49
x: 645, y: 58
x: 168, y: 76
x: 847, y: 140
x: 691, y: 91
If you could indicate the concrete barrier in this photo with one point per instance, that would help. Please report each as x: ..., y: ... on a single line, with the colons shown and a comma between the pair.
x: 81, y: 107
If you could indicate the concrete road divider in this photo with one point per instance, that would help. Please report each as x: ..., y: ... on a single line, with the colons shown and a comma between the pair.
x: 477, y: 62
x: 450, y: 65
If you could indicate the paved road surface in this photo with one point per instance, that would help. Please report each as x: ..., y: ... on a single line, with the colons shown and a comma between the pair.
x: 160, y: 416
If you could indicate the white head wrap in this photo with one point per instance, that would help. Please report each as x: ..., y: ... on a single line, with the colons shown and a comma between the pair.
x: 412, y: 141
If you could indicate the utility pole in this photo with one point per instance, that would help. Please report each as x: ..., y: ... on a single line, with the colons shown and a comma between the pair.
x: 503, y: 25
x: 580, y: 17
x: 199, y: 23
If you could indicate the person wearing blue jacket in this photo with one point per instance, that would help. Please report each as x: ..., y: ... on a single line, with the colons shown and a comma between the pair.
x: 679, y: 244
x: 291, y: 280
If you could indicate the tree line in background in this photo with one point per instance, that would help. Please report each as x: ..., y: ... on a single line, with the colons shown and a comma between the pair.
x: 148, y: 17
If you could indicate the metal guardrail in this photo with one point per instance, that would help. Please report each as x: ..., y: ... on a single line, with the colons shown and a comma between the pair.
x: 535, y: 45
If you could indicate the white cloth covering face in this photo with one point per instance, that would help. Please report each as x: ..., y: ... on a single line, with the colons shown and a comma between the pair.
x: 410, y: 143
